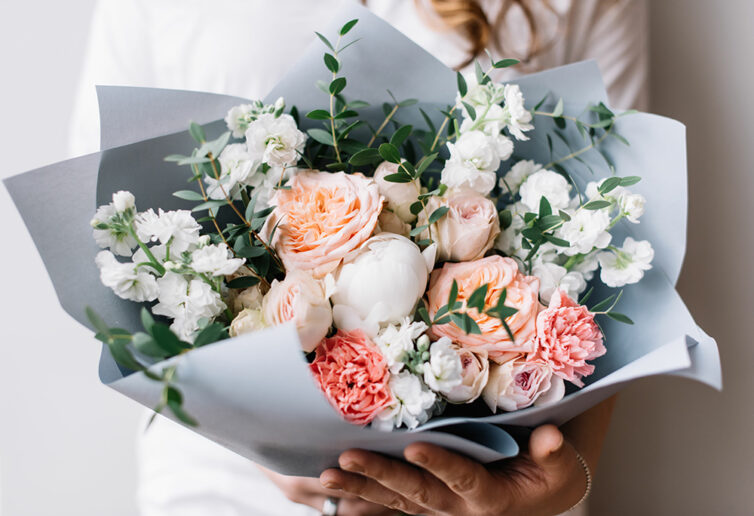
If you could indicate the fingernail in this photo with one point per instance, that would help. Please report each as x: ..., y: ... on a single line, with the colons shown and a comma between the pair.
x: 418, y: 458
x: 332, y: 485
x: 354, y: 467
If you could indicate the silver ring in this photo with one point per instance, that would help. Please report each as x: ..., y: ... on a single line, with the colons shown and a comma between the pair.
x: 330, y: 507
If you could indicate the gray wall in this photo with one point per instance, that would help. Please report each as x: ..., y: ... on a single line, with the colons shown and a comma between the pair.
x: 674, y: 448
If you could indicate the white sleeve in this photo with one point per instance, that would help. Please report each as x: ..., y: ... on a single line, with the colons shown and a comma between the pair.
x: 117, y: 53
x: 618, y: 39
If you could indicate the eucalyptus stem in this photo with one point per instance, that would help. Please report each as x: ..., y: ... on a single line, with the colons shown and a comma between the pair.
x: 153, y: 261
x: 581, y: 151
x: 332, y: 110
x: 382, y: 126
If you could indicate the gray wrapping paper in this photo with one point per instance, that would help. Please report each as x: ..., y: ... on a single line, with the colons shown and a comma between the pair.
x: 254, y: 394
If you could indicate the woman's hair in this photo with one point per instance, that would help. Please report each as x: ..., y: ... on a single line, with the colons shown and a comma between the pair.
x: 468, y: 18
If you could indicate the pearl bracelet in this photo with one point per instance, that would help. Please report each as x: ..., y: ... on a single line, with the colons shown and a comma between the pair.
x: 588, y: 474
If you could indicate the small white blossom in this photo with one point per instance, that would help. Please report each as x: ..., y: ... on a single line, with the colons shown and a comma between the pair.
x: 545, y: 183
x: 396, y: 341
x: 518, y: 173
x: 517, y: 117
x: 587, y: 266
x: 239, y: 118
x: 177, y: 227
x: 414, y: 403
x: 215, y: 260
x: 626, y: 265
x: 587, y: 229
x: 275, y: 141
x: 480, y: 96
x: 554, y: 277
x: 462, y: 174
x: 632, y: 206
x: 126, y: 279
x: 123, y: 201
x: 477, y: 148
x: 236, y: 168
x: 116, y: 237
x: 186, y: 302
x: 444, y: 370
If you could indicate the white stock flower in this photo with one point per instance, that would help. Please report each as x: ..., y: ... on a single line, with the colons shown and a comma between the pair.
x: 517, y: 117
x: 123, y: 201
x: 126, y: 279
x: 586, y: 266
x: 479, y: 96
x: 215, y: 259
x: 238, y: 119
x: 177, y: 227
x: 379, y: 283
x: 626, y: 265
x: 444, y: 370
x: 397, y: 340
x: 186, y: 302
x: 632, y: 205
x: 414, y: 403
x: 477, y: 148
x: 115, y: 237
x: 545, y: 183
x: 266, y: 184
x: 236, y: 168
x: 554, y: 277
x: 518, y: 173
x: 462, y: 174
x: 587, y: 229
x: 275, y: 141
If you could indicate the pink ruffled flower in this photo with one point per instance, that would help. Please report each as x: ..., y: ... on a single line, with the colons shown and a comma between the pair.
x: 499, y: 273
x: 567, y: 337
x: 353, y: 374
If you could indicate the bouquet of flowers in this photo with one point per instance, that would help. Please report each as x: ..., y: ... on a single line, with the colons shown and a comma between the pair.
x: 428, y: 265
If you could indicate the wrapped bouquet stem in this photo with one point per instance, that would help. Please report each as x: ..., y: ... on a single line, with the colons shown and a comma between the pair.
x: 380, y: 252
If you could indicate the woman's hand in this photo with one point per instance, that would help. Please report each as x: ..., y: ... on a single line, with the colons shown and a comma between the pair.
x: 546, y: 480
x: 309, y: 491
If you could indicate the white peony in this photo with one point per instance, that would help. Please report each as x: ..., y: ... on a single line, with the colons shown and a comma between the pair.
x: 587, y: 230
x: 126, y: 279
x: 554, y: 277
x: 123, y: 201
x: 518, y: 173
x: 275, y: 141
x: 397, y: 340
x: 215, y: 260
x: 517, y: 117
x: 175, y: 227
x: 186, y: 302
x: 545, y: 183
x: 414, y: 403
x: 444, y: 370
x: 626, y: 265
x: 379, y: 283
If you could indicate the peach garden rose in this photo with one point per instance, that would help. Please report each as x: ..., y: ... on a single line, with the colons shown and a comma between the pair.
x: 499, y: 273
x: 322, y: 217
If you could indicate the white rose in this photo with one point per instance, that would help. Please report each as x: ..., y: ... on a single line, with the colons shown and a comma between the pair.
x: 301, y: 299
x: 389, y: 222
x: 626, y: 265
x: 276, y: 141
x: 379, y: 283
x: 414, y: 403
x: 247, y: 321
x: 443, y: 371
x: 545, y: 183
x: 397, y: 340
x: 399, y: 196
x: 126, y: 279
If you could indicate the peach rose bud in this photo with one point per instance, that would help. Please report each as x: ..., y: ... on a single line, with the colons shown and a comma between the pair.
x: 474, y: 376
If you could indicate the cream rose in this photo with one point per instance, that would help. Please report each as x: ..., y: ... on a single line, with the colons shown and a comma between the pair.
x: 474, y: 375
x: 389, y: 222
x: 519, y: 383
x: 248, y: 320
x: 248, y: 298
x: 301, y: 299
x: 323, y: 217
x: 399, y: 196
x: 469, y: 228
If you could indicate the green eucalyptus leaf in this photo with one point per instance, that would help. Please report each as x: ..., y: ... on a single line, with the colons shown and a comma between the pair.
x: 348, y: 26
x: 331, y: 62
x: 321, y: 136
x: 337, y: 85
x: 188, y: 195
x: 390, y: 153
x: 438, y: 214
x: 365, y: 157
x: 318, y: 114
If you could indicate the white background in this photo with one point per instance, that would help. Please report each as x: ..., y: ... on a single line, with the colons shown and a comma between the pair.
x: 66, y: 442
